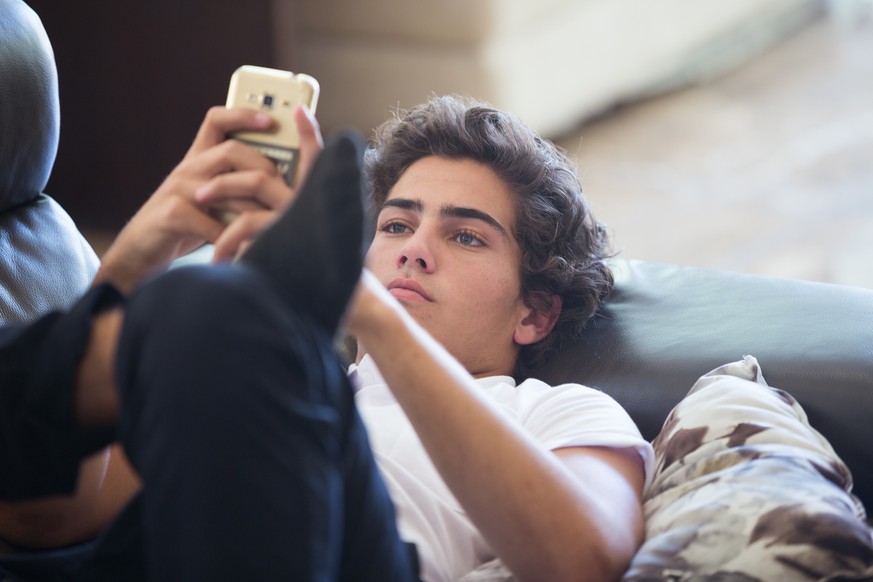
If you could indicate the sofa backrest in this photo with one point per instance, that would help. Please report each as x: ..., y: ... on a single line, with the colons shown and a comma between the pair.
x: 45, y: 262
x: 29, y: 108
x: 666, y: 325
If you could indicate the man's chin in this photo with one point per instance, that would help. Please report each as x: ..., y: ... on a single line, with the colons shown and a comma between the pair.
x: 420, y: 314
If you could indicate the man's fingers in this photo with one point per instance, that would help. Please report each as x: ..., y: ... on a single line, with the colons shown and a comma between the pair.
x: 245, y: 190
x: 220, y: 121
x: 188, y: 222
x: 244, y: 228
x: 239, y: 181
x: 229, y: 156
x: 311, y: 142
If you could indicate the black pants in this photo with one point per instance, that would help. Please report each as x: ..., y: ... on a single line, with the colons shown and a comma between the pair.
x: 243, y: 427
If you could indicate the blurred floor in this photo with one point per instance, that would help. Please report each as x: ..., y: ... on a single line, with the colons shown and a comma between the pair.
x: 767, y: 170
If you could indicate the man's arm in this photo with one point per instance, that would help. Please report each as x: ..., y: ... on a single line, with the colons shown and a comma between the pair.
x: 105, y: 481
x: 575, y: 515
x: 215, y: 174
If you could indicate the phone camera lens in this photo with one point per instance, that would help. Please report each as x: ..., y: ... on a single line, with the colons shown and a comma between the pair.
x: 268, y: 100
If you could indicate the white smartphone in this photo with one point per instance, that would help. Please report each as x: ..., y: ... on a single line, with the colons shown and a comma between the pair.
x: 277, y: 93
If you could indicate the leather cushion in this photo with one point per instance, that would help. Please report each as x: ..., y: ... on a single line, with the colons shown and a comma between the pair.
x: 29, y: 110
x: 665, y: 326
x: 47, y: 264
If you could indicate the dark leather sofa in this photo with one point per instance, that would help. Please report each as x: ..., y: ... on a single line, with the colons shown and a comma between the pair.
x: 665, y: 325
x: 45, y: 262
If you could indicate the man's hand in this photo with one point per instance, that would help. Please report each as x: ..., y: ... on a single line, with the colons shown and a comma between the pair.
x: 216, y: 175
x: 272, y: 196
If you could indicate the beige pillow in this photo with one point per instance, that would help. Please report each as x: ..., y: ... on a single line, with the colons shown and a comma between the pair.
x: 745, y: 489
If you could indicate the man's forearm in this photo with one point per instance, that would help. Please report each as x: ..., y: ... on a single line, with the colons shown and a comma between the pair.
x: 106, y: 481
x: 95, y: 396
x: 57, y: 520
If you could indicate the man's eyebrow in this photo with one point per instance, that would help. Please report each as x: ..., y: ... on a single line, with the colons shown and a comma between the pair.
x: 452, y: 211
x: 403, y: 204
x: 447, y: 211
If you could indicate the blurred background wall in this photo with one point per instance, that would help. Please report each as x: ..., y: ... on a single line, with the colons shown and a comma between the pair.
x: 135, y: 81
x: 730, y: 135
x: 554, y: 63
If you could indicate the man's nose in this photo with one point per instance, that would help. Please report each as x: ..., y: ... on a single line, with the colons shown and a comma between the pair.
x: 420, y: 261
x: 417, y: 252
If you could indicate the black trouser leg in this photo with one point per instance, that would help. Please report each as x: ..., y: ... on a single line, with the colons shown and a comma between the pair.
x: 254, y: 461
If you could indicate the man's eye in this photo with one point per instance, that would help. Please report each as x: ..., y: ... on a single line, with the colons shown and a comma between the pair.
x: 394, y: 228
x: 468, y: 239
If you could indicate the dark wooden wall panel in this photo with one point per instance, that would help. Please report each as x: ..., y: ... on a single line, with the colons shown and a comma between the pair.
x: 136, y: 78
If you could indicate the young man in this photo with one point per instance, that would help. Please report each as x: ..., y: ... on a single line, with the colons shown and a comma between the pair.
x: 252, y: 459
x: 482, y: 235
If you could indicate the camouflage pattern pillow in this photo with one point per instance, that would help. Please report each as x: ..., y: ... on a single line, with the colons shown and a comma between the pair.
x: 745, y: 489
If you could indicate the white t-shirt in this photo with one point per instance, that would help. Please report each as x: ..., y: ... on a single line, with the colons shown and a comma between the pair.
x: 428, y: 515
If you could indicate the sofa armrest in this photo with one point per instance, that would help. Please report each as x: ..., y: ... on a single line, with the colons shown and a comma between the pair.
x: 46, y: 262
x: 666, y: 325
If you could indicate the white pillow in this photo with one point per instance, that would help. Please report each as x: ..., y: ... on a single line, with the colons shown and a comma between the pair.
x: 745, y: 489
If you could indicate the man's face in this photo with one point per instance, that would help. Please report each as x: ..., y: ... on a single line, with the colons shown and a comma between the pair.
x: 444, y: 249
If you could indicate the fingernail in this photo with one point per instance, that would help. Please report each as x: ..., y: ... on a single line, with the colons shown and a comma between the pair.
x: 263, y: 119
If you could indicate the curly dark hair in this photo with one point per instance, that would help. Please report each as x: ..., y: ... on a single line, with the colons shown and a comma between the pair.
x: 563, y: 248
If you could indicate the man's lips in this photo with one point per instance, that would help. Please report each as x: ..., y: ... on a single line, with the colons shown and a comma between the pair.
x: 408, y: 290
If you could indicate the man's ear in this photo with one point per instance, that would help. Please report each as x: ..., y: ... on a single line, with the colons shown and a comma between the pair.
x: 543, y: 312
